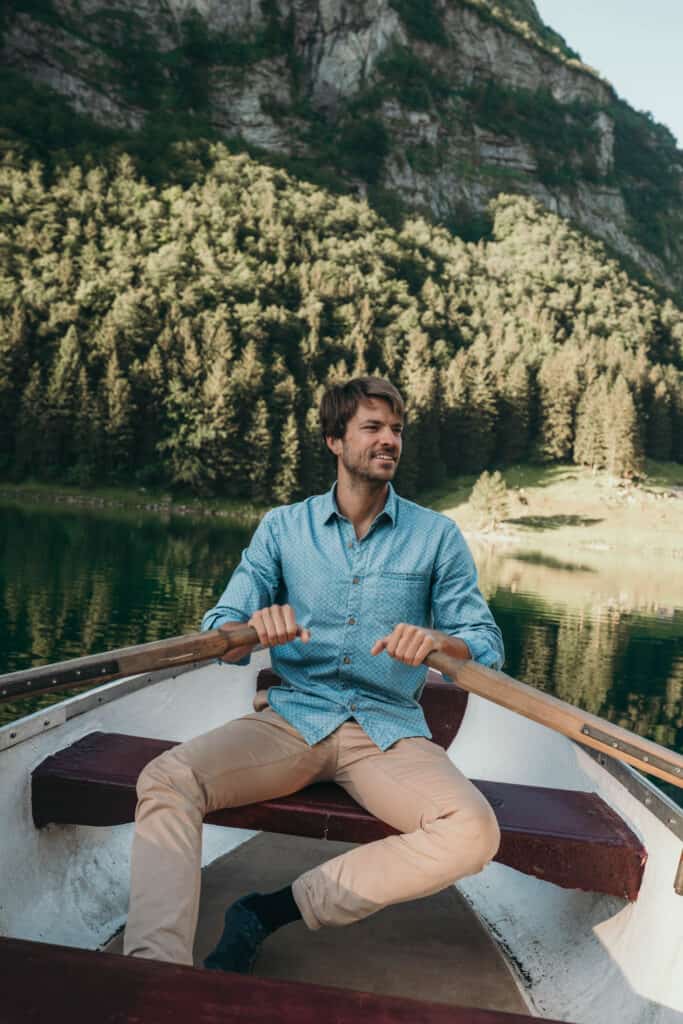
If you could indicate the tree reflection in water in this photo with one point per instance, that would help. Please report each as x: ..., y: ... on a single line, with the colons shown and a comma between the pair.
x: 604, y: 633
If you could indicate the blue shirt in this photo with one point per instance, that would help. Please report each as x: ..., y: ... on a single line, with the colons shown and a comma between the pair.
x: 412, y: 566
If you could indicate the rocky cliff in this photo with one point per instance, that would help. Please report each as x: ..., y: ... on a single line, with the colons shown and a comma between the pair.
x: 436, y: 105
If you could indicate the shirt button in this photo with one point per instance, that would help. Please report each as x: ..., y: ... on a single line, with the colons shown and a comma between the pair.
x: 352, y: 707
x: 347, y: 660
x: 351, y: 621
x: 350, y: 543
x: 356, y: 579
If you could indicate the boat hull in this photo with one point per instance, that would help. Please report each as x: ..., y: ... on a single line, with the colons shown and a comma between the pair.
x: 578, y: 956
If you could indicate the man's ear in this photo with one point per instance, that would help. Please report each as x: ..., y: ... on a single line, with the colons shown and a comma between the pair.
x: 334, y: 444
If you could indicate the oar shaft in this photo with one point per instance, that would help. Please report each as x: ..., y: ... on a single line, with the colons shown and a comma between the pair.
x: 126, y: 661
x: 497, y: 687
x: 550, y: 711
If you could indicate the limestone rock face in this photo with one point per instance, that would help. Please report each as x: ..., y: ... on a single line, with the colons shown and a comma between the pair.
x: 328, y: 54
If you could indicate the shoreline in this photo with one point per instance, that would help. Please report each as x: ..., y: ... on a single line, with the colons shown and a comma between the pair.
x: 559, y: 509
x: 122, y: 500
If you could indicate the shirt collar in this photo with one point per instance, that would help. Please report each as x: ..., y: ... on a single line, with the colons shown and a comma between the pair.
x: 331, y: 509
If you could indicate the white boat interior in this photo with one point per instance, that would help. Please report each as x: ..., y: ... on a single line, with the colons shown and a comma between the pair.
x: 500, y: 940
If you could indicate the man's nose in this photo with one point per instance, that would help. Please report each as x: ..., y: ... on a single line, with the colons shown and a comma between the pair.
x: 387, y: 437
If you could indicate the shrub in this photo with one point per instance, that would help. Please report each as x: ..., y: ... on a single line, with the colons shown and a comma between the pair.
x: 489, y: 500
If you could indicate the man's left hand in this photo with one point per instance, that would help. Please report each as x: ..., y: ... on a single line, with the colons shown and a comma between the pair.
x: 409, y: 644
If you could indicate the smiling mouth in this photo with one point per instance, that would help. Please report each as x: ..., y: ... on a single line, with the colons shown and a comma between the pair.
x: 384, y: 457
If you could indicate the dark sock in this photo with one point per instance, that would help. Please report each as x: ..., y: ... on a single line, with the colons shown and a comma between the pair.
x: 274, y: 909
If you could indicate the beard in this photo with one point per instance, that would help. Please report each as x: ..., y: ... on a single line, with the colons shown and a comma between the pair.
x: 366, y: 469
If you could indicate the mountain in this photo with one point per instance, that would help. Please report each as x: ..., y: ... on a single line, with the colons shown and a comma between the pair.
x: 430, y: 106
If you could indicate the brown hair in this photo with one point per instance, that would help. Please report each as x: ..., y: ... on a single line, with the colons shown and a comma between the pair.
x: 340, y: 402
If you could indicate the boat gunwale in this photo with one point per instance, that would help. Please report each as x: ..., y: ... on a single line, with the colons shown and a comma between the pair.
x: 642, y: 789
x: 14, y: 733
x: 51, y: 717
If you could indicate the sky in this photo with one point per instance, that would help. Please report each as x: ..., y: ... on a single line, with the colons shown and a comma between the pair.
x: 636, y: 44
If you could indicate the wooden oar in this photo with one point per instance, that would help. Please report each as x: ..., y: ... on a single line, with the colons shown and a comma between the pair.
x: 125, y: 661
x: 578, y: 725
x: 485, y: 682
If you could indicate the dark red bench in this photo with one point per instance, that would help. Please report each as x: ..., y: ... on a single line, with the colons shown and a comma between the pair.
x: 571, y: 838
x: 53, y: 983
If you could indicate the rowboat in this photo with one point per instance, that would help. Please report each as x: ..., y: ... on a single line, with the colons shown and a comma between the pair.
x: 580, y: 918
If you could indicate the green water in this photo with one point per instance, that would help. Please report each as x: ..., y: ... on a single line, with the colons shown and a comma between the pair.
x: 74, y: 583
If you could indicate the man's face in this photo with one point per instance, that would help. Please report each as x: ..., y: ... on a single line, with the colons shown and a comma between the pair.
x: 371, y: 446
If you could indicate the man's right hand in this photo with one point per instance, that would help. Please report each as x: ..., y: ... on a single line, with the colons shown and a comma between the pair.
x: 275, y: 625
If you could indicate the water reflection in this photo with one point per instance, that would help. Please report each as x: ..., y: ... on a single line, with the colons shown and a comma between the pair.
x: 602, y: 632
x: 75, y: 583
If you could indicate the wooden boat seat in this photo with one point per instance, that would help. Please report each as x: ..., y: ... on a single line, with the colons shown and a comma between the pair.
x: 59, y: 983
x: 573, y: 839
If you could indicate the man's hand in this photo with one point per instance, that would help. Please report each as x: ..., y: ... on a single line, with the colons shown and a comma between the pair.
x: 277, y: 625
x: 409, y: 644
x: 274, y: 625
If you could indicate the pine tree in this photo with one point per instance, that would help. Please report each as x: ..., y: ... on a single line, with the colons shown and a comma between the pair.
x: 479, y: 421
x: 119, y: 419
x: 659, y: 433
x: 514, y: 415
x: 29, y: 454
x: 624, y: 455
x: 559, y: 391
x: 590, y: 446
x: 421, y: 466
x: 258, y: 441
x: 489, y: 500
x: 317, y: 463
x: 286, y: 481
x: 88, y: 434
x: 61, y: 398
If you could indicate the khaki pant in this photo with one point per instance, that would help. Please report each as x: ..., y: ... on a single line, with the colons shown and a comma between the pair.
x: 449, y: 830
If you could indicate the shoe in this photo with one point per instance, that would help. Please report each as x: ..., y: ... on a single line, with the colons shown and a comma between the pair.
x: 241, y: 940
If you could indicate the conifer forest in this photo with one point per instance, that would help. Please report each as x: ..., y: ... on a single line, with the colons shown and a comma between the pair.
x: 180, y: 333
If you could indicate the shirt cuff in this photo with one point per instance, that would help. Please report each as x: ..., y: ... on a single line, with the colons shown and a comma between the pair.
x: 481, y: 651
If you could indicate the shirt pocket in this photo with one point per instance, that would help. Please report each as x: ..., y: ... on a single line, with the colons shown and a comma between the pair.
x: 401, y: 597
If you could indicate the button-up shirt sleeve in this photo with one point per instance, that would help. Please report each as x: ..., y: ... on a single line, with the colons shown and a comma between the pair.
x: 256, y: 581
x: 457, y: 605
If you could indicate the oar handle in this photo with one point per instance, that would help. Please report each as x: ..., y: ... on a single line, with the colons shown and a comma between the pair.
x: 578, y: 725
x: 126, y: 661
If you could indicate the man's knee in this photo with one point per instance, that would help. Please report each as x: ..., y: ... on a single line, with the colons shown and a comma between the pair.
x: 169, y: 779
x: 473, y: 839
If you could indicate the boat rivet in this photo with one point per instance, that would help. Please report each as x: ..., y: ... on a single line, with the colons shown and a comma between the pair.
x: 645, y: 757
x: 78, y: 671
x: 12, y: 735
x: 615, y: 745
x: 46, y: 722
x: 54, y: 681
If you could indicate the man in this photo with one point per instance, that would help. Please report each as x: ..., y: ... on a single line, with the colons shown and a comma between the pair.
x: 352, y: 590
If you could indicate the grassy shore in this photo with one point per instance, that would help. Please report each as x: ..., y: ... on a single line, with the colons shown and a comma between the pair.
x: 572, y: 508
x: 581, y: 539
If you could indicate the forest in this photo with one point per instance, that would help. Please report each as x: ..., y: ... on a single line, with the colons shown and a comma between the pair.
x: 181, y: 333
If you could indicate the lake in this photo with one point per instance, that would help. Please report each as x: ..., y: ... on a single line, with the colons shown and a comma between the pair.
x: 604, y: 633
